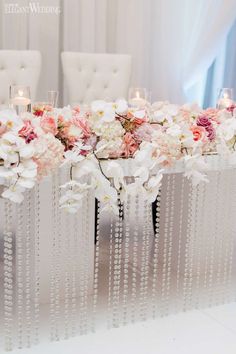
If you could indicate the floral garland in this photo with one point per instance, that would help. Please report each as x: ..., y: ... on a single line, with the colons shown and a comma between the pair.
x: 155, y: 137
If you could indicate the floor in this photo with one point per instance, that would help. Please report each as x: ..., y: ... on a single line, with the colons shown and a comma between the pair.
x: 211, y: 331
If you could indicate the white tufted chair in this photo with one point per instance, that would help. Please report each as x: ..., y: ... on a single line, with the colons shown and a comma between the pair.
x: 18, y: 67
x: 96, y: 76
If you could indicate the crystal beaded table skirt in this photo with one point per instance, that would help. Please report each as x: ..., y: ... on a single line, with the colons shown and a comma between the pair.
x: 60, y: 276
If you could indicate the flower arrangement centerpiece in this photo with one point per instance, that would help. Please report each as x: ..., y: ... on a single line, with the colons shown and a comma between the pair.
x: 154, y: 137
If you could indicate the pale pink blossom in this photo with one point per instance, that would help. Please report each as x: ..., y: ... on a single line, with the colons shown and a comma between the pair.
x: 48, y: 124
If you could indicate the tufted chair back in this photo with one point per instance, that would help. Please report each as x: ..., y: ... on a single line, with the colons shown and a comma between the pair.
x: 96, y: 76
x: 18, y: 67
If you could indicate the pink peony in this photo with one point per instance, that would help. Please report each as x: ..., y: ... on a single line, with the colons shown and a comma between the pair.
x: 48, y: 124
x: 129, y: 145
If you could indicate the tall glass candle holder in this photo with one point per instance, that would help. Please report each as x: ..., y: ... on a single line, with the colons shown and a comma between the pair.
x: 225, y: 98
x: 20, y: 98
x: 53, y: 98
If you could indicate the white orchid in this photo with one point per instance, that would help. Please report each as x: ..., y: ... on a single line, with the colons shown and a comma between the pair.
x: 121, y: 106
x: 11, y: 120
x: 174, y: 130
x: 104, y: 110
x: 114, y: 171
x: 14, y: 193
x: 164, y: 112
x: 71, y: 201
x: 152, y: 187
x: 227, y: 130
x: 194, y: 167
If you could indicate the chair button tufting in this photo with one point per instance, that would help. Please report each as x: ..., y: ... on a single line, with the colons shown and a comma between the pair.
x: 94, y: 70
x: 22, y: 67
x: 115, y: 71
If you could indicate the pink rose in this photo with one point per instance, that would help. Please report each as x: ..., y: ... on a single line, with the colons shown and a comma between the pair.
x: 129, y: 145
x: 211, y: 134
x: 198, y: 133
x: 27, y: 132
x: 203, y: 121
x: 48, y: 124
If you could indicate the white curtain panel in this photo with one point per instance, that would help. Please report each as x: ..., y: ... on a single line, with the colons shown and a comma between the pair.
x: 172, y: 42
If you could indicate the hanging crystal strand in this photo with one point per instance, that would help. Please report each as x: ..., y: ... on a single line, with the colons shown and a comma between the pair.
x: 8, y: 276
x: 28, y: 269
x: 67, y: 300
x: 37, y: 263
x: 53, y: 282
x: 156, y: 255
x: 187, y: 249
x: 170, y: 243
x: 220, y: 246
x: 96, y: 268
x: 117, y: 267
x: 135, y: 260
x: 230, y: 280
x: 147, y: 267
x: 74, y: 276
x: 110, y: 273
x: 143, y: 259
x: 192, y: 246
x: 199, y: 240
x: 214, y: 227
x: 165, y: 248
x: 180, y: 232
x: 84, y: 293
x: 126, y: 260
x: 230, y: 237
x: 19, y: 275
x: 57, y: 230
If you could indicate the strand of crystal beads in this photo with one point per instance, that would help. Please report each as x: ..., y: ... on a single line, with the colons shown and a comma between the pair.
x: 82, y: 270
x: 219, y: 268
x: 170, y: 243
x: 165, y: 246
x: 143, y: 260
x: 156, y: 255
x: 180, y: 232
x: 192, y: 246
x: 213, y: 243
x: 126, y: 260
x: 226, y: 236
x: 8, y: 276
x: 147, y: 268
x: 74, y: 276
x: 230, y: 280
x: 96, y: 268
x: 135, y: 260
x: 37, y: 263
x: 28, y: 270
x: 86, y: 266
x: 117, y: 267
x: 230, y: 238
x: 52, y: 270
x: 187, y: 248
x: 110, y: 272
x: 67, y: 299
x: 19, y: 265
x: 57, y: 230
x: 199, y: 240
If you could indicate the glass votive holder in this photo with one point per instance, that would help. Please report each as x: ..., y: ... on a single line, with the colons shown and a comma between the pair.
x: 225, y: 98
x: 138, y: 97
x: 20, y: 98
x: 53, y: 98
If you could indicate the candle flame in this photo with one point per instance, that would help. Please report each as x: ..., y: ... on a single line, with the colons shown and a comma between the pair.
x: 137, y: 94
x: 20, y: 92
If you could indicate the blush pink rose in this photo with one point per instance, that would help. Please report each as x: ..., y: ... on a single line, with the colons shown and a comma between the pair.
x: 198, y: 133
x: 48, y: 124
x: 129, y: 145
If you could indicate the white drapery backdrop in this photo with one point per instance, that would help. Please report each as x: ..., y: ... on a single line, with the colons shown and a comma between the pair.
x: 172, y: 42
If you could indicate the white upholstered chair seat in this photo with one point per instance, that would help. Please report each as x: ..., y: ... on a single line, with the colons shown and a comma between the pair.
x: 18, y: 67
x: 96, y: 76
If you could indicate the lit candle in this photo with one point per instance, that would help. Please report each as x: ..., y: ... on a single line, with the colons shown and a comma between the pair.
x: 137, y: 101
x: 20, y: 100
